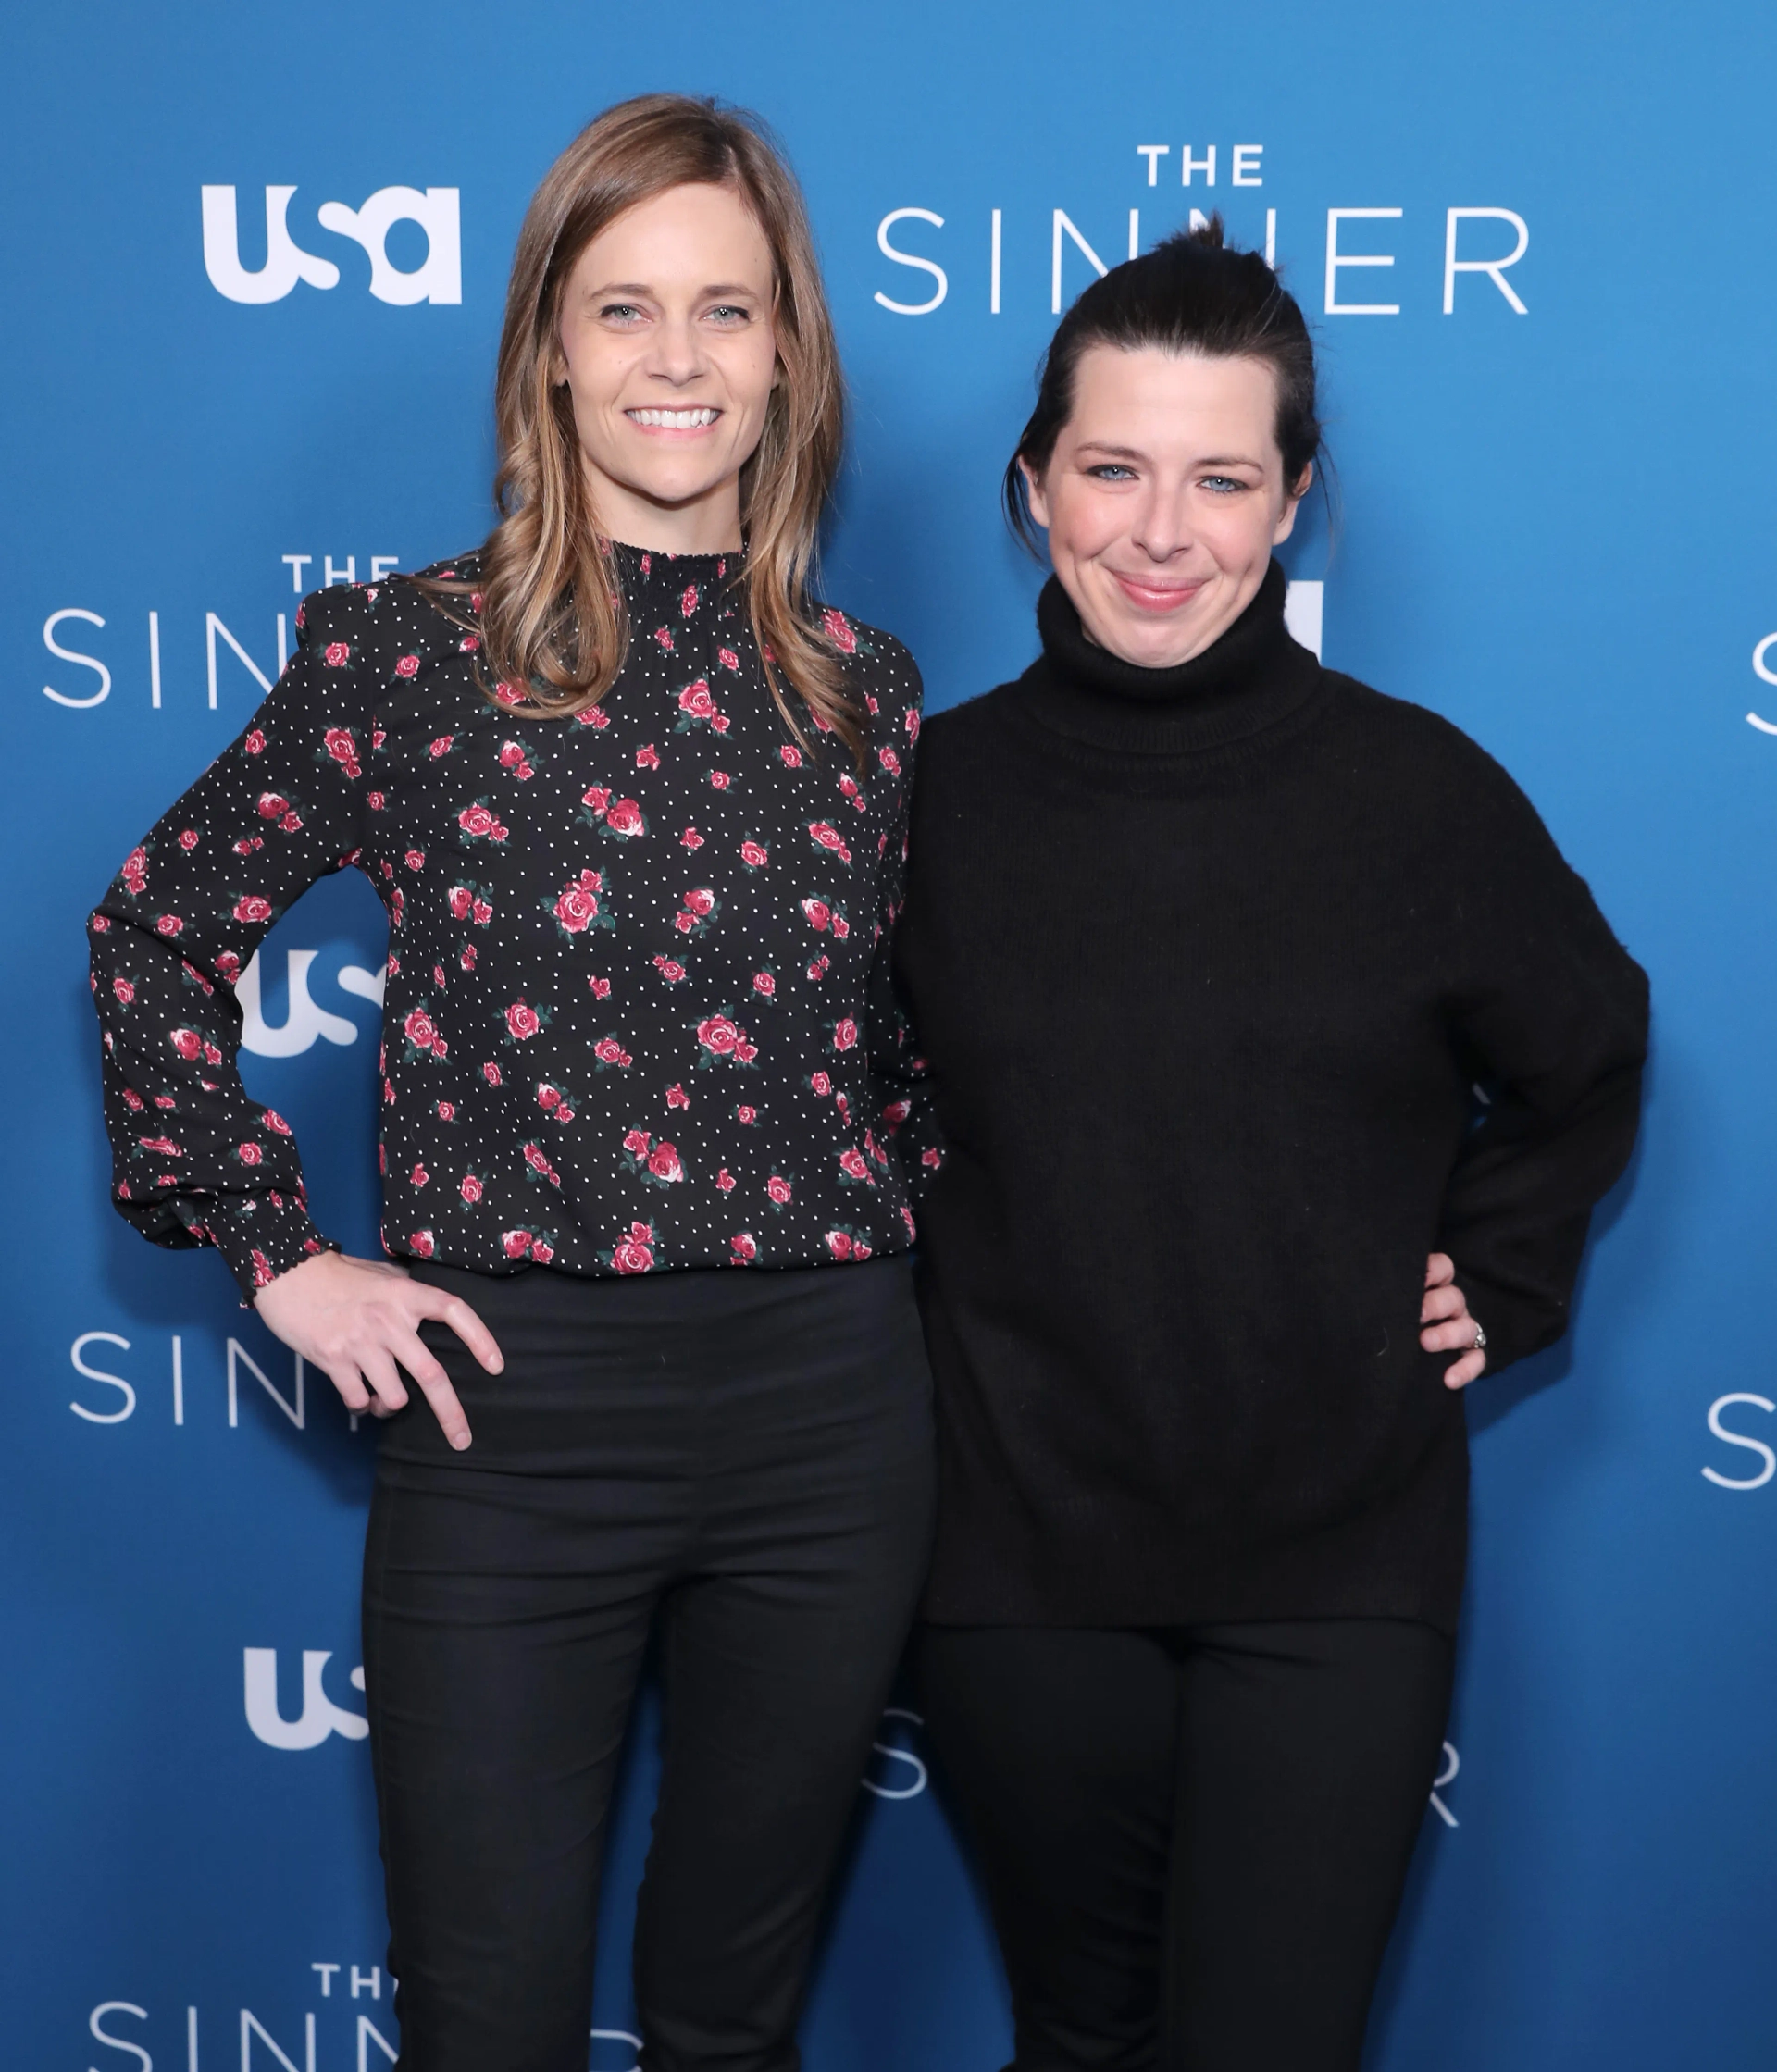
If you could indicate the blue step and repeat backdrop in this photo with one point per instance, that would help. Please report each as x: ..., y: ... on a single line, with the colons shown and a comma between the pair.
x: 254, y: 261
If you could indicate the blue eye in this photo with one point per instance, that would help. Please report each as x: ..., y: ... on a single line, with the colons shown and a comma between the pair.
x: 728, y: 311
x: 1111, y: 471
x: 1221, y: 485
x: 621, y: 312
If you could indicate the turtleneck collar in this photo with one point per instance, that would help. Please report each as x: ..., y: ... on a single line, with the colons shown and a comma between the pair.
x: 1251, y: 677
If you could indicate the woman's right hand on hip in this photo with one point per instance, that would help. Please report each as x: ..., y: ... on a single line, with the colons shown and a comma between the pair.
x: 359, y: 1320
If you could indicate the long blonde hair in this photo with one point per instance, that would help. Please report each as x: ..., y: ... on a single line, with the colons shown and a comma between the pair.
x: 552, y: 619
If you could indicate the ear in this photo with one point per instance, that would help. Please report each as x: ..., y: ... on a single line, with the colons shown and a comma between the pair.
x: 1287, y: 523
x: 1034, y: 492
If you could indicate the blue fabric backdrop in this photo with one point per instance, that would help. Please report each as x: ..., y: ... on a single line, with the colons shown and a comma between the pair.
x: 254, y: 263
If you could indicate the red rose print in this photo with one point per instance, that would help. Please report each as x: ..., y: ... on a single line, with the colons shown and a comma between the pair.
x: 907, y: 1218
x: 663, y: 1163
x: 848, y: 787
x: 460, y: 899
x: 421, y: 1176
x: 132, y: 1099
x: 696, y: 700
x: 447, y: 1111
x: 419, y: 1030
x: 534, y: 1157
x: 123, y: 989
x: 601, y: 988
x: 717, y: 1035
x: 896, y: 1113
x: 598, y: 798
x: 262, y: 1274
x: 188, y: 838
x: 725, y: 1180
x: 249, y: 1154
x: 743, y: 1245
x: 338, y: 654
x: 845, y: 1034
x: 469, y: 1186
x: 932, y: 1157
x: 515, y: 1243
x: 542, y: 1251
x: 475, y: 820
x: 625, y: 818
x: 684, y: 923
x: 677, y: 1096
x: 523, y: 1020
x: 819, y: 913
x: 253, y: 741
x: 839, y: 633
x: 549, y: 1097
x: 609, y: 1051
x: 792, y: 754
x: 700, y: 900
x: 481, y: 913
x: 648, y: 757
x: 690, y: 838
x: 778, y: 1187
x: 415, y: 858
x: 763, y: 982
x: 752, y: 855
x: 273, y: 1121
x: 272, y: 806
x: 187, y: 1043
x: 841, y: 927
x: 826, y: 835
x: 169, y: 925
x: 636, y: 1142
x: 663, y: 634
x: 374, y: 800
x: 839, y: 1244
x: 408, y: 665
x: 852, y: 1164
x: 443, y: 744
x: 728, y: 658
x: 745, y: 1114
x: 821, y: 1084
x: 101, y: 924
x: 164, y: 1145
x: 634, y: 1254
x: 670, y: 969
x: 720, y: 779
x: 421, y: 1243
x: 343, y: 748
x: 687, y: 604
x: 746, y: 1052
x: 889, y: 761
x: 509, y: 694
x: 490, y: 1072
x: 594, y: 716
x: 910, y: 721
x: 575, y: 908
x: 291, y: 823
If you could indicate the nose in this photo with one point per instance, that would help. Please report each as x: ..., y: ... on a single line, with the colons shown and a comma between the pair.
x: 1162, y: 528
x: 677, y: 353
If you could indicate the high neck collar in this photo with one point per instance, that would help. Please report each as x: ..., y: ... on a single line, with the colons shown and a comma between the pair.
x: 646, y: 570
x: 1252, y: 676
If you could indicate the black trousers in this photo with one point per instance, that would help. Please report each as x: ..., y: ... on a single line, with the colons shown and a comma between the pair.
x: 1194, y: 1842
x: 738, y: 1462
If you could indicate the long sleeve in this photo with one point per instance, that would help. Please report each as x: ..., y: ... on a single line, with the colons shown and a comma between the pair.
x: 195, y: 1160
x: 1554, y: 1011
x: 901, y: 1091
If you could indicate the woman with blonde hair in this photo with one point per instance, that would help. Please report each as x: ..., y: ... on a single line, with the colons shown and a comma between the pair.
x: 635, y: 804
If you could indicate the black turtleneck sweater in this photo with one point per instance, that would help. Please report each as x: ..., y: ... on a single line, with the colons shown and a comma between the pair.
x: 1209, y: 964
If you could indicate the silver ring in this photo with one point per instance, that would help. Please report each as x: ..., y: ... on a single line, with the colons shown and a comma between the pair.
x: 1480, y: 1345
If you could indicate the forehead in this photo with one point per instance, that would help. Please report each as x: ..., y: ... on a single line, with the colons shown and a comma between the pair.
x: 688, y: 235
x: 1146, y: 397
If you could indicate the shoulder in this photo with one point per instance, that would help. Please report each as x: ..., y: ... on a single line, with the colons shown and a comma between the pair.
x: 370, y: 628
x: 977, y: 726
x: 1405, y: 743
x: 879, y: 670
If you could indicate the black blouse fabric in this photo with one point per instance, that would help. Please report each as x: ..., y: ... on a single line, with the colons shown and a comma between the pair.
x: 637, y: 1014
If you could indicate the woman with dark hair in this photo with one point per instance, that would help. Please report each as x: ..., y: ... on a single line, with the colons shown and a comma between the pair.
x: 1243, y: 989
x: 635, y: 804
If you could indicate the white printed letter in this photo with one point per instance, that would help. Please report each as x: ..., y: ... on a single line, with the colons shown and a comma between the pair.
x: 908, y: 259
x: 286, y: 262
x: 1493, y: 268
x: 440, y: 277
x: 1336, y: 259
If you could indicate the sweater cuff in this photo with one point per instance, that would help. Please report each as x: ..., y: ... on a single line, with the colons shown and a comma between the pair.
x: 259, y: 1235
x: 1516, y: 1326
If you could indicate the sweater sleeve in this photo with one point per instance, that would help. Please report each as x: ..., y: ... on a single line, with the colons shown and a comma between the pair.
x: 1552, y: 1012
x: 195, y: 1160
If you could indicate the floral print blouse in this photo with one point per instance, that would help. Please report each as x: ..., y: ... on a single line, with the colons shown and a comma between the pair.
x: 637, y: 1014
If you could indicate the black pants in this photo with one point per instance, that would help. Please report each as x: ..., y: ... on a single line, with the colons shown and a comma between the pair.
x: 1195, y: 1842
x: 739, y: 1461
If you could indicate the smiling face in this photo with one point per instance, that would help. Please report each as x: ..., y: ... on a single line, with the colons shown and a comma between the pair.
x: 1163, y: 498
x: 670, y: 355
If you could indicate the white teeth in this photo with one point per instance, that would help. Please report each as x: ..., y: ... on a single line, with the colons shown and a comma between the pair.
x: 675, y: 420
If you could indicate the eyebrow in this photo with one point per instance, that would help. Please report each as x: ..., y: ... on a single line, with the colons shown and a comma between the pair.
x: 1134, y: 453
x: 645, y: 288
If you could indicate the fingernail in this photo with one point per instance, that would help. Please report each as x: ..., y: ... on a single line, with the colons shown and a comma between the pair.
x: 461, y: 1441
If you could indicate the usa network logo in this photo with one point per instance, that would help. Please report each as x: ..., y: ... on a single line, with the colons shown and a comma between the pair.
x: 438, y: 278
